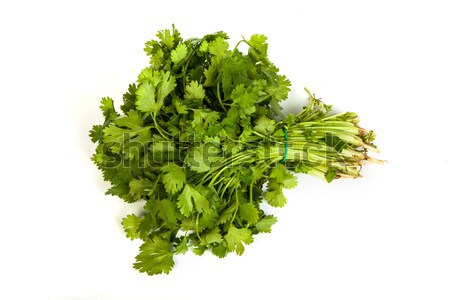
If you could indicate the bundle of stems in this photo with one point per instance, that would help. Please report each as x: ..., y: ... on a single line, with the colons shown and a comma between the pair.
x: 314, y: 141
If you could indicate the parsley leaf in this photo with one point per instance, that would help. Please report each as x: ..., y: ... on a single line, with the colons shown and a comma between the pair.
x: 219, y: 48
x: 214, y: 236
x: 191, y: 198
x: 131, y: 226
x: 167, y: 86
x: 265, y: 125
x: 274, y: 194
x: 249, y: 213
x: 265, y: 224
x: 237, y: 237
x: 146, y: 98
x: 194, y: 91
x: 155, y: 257
x: 107, y: 107
x: 178, y: 54
x: 173, y: 177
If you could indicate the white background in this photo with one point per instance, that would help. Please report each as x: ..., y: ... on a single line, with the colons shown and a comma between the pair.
x: 385, y: 236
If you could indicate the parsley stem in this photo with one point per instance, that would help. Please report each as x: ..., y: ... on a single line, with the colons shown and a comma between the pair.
x: 196, y: 228
x: 236, y: 47
x: 226, y: 186
x: 236, y: 208
x: 160, y: 130
x: 219, y: 97
x: 251, y: 192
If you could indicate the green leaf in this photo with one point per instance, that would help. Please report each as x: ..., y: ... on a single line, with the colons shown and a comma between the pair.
x: 167, y: 210
x: 173, y: 177
x: 180, y: 108
x: 132, y: 121
x: 237, y: 237
x: 155, y: 257
x: 131, y: 226
x: 210, y: 76
x: 257, y: 173
x: 265, y: 224
x: 166, y: 86
x: 302, y: 168
x: 204, y: 118
x: 114, y: 134
x: 275, y: 198
x: 150, y: 75
x: 274, y: 195
x: 220, y: 250
x: 198, y: 159
x: 219, y: 48
x: 182, y: 247
x: 204, y: 46
x: 281, y: 89
x: 189, y: 198
x: 246, y: 98
x: 214, y: 236
x: 185, y: 203
x: 155, y: 87
x: 227, y: 214
x: 278, y: 173
x: 179, y: 53
x: 140, y: 187
x: 96, y: 133
x: 201, y: 203
x: 265, y: 125
x: 163, y: 150
x: 330, y: 175
x: 194, y: 91
x: 107, y: 108
x: 166, y: 38
x: 146, y: 98
x: 249, y: 213
x: 290, y: 181
x: 259, y: 42
x: 207, y: 220
x: 129, y: 99
x: 235, y: 70
x: 148, y: 224
x: 199, y: 250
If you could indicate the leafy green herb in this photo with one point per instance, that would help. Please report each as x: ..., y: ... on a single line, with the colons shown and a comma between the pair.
x: 198, y: 141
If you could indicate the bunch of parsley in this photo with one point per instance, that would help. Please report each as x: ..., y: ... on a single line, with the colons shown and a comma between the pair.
x: 198, y: 140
